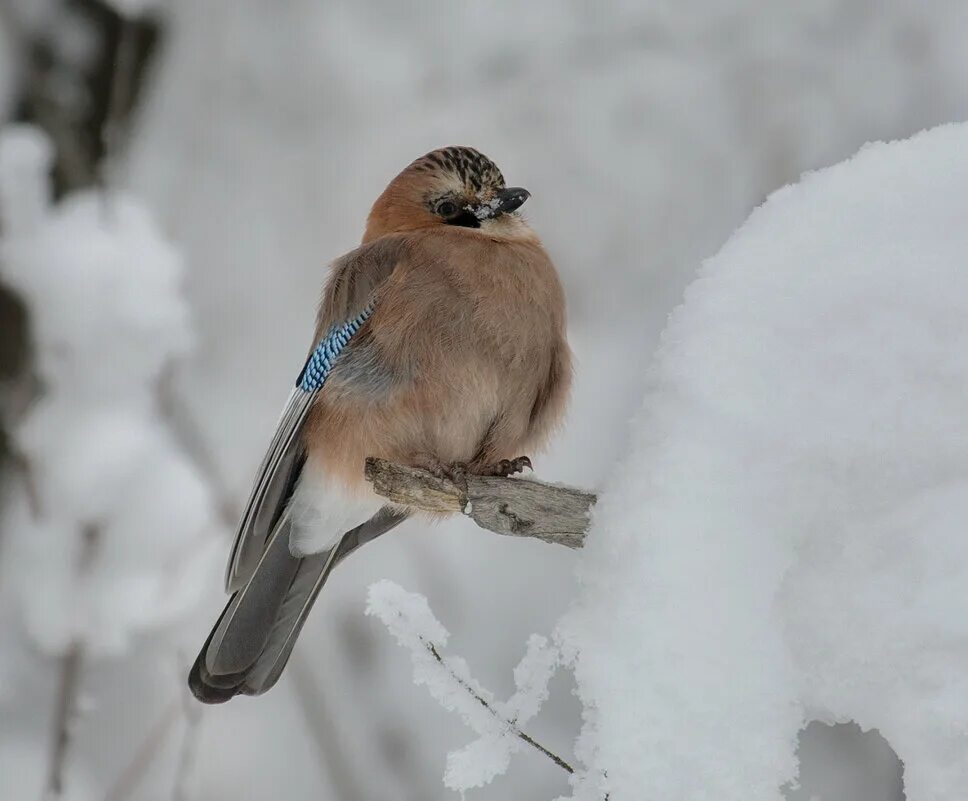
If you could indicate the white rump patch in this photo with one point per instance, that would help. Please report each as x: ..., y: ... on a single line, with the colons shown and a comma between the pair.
x: 322, y: 511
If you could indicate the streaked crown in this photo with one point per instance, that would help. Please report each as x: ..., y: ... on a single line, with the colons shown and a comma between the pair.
x: 453, y: 186
x: 471, y: 167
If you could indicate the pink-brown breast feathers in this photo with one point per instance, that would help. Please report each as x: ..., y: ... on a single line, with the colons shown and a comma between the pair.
x: 463, y: 359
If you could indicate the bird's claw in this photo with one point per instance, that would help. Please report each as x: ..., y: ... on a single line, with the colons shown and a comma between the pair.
x: 455, y: 472
x: 508, y: 467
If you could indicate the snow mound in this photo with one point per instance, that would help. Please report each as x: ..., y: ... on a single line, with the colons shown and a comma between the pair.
x: 786, y: 540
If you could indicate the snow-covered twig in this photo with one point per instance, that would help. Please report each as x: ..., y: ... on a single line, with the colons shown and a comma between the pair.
x: 408, y: 618
x: 510, y: 725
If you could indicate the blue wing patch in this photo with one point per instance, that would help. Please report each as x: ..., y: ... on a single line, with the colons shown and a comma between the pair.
x: 323, y: 358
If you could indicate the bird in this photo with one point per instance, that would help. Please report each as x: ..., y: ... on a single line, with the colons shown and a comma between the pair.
x: 440, y: 343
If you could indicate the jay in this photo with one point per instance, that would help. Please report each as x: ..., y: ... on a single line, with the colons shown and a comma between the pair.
x: 440, y: 343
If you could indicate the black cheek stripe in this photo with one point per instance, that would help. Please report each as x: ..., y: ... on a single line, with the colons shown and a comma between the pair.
x: 465, y: 220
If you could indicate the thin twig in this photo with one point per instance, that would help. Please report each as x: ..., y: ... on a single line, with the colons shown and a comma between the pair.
x: 190, y: 438
x: 119, y: 97
x: 510, y: 724
x: 64, y: 718
x: 145, y: 755
x: 65, y: 715
x: 23, y: 466
x: 185, y: 766
x: 320, y: 723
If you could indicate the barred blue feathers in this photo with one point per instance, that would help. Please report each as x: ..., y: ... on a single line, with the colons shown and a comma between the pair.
x: 323, y: 358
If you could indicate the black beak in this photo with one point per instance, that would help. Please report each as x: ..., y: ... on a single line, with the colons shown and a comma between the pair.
x: 504, y: 201
x: 512, y: 199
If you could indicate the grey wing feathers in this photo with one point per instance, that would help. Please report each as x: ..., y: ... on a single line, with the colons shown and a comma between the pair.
x: 356, y: 277
x: 253, y: 639
x: 308, y: 581
x: 347, y: 302
x: 272, y: 590
x: 253, y: 608
x: 279, y: 470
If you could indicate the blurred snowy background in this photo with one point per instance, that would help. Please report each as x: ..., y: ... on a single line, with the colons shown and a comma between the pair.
x: 162, y: 248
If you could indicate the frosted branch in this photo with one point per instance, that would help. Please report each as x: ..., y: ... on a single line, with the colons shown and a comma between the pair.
x: 409, y: 619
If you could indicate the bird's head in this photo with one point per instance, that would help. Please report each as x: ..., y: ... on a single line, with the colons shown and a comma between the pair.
x: 453, y: 186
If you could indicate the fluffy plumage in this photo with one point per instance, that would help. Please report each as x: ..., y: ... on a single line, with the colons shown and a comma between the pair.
x: 450, y: 351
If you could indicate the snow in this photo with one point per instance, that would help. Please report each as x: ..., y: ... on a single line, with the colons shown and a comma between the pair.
x: 484, y: 210
x: 531, y: 677
x: 409, y: 619
x: 109, y: 532
x: 785, y: 539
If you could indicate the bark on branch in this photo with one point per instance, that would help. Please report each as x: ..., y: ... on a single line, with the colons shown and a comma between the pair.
x: 519, y: 507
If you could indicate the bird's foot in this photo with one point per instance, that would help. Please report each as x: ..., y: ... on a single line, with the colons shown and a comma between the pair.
x: 454, y: 471
x: 507, y: 467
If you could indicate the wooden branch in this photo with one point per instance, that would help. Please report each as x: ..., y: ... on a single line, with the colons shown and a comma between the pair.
x: 519, y: 507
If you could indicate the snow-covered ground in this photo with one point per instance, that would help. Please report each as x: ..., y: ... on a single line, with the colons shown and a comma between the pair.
x: 646, y: 134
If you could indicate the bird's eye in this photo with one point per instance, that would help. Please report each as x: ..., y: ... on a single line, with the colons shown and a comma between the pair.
x: 446, y: 208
